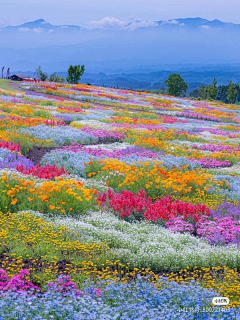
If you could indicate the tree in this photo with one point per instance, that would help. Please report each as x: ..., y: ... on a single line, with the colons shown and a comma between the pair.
x: 203, y: 92
x: 41, y: 75
x: 212, y: 90
x: 75, y: 73
x: 232, y: 91
x: 54, y: 78
x: 176, y: 86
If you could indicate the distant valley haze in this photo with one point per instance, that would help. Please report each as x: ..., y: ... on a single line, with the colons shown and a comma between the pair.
x: 124, y: 50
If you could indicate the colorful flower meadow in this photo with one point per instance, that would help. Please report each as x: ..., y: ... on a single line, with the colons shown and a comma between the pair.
x: 117, y: 204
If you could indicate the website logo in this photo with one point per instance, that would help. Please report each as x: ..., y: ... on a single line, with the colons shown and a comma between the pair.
x: 220, y: 301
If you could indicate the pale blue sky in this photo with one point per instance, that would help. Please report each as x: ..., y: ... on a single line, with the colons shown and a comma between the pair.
x: 79, y: 12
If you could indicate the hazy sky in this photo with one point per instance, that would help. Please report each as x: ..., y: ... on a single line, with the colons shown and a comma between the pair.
x: 79, y: 12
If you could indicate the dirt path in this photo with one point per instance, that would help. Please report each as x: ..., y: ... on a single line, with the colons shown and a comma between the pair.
x: 16, y: 86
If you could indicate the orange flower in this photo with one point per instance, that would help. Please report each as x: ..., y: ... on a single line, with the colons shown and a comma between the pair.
x: 14, y: 201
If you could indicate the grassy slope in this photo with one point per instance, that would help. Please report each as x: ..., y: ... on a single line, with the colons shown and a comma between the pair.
x: 4, y: 84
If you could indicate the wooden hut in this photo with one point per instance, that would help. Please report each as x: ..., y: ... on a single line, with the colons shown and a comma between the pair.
x: 18, y: 77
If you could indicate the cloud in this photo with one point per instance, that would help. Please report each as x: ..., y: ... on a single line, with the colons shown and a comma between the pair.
x: 206, y: 27
x: 64, y: 27
x: 37, y: 30
x: 43, y: 22
x: 113, y: 23
x: 175, y: 22
x: 50, y: 31
x: 106, y: 23
x: 170, y: 22
x: 142, y: 24
x: 23, y: 29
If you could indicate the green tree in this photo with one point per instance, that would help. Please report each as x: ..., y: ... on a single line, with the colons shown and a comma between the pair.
x: 203, y: 92
x: 212, y: 90
x: 54, y: 78
x: 232, y: 91
x: 176, y: 86
x: 41, y: 75
x: 75, y: 73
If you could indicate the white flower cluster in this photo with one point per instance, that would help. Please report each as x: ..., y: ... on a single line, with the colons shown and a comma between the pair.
x: 145, y: 245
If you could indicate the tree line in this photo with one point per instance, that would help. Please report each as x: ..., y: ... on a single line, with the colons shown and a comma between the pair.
x: 176, y: 86
x: 226, y: 94
x: 74, y: 75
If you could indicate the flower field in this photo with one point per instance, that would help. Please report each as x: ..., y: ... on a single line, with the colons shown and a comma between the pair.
x: 117, y: 204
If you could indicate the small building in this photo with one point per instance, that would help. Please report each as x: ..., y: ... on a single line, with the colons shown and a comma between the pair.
x: 18, y: 77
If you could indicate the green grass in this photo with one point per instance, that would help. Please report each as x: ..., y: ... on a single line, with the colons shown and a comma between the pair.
x: 4, y: 84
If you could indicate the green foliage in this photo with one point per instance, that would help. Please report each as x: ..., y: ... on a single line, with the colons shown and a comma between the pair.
x: 41, y: 75
x: 232, y: 91
x: 212, y: 90
x: 176, y: 86
x: 94, y: 166
x: 221, y: 94
x: 54, y: 78
x: 155, y: 91
x: 203, y: 92
x: 75, y: 73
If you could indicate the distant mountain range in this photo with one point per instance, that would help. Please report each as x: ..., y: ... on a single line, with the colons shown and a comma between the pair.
x: 114, y: 46
x: 40, y: 25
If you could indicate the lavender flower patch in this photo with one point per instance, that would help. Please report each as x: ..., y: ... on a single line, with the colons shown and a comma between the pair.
x: 10, y: 159
x: 226, y: 209
x: 216, y: 147
x: 11, y: 99
x: 103, y: 135
x: 223, y: 133
x: 188, y: 114
x: 213, y: 163
x: 63, y: 117
x: 141, y: 152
